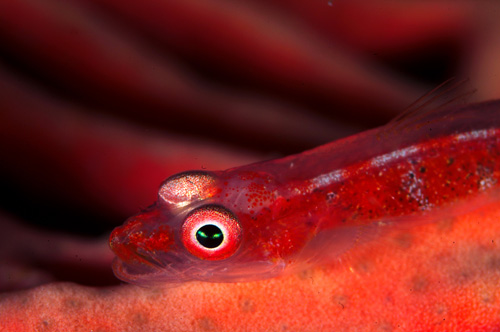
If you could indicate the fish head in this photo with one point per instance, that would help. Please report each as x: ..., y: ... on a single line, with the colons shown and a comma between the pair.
x: 190, y: 233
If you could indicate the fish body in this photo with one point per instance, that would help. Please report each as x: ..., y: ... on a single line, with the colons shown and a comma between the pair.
x: 260, y: 220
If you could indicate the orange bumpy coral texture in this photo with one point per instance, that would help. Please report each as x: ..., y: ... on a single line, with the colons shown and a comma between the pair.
x: 434, y: 277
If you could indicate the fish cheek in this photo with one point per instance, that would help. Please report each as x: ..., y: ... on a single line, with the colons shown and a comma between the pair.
x: 278, y: 238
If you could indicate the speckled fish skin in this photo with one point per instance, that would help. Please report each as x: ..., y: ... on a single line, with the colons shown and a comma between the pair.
x: 316, y: 205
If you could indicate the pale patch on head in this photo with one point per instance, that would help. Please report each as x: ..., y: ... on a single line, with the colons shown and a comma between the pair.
x: 184, y: 188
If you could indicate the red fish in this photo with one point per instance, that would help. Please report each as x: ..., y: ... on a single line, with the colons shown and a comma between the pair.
x: 261, y: 220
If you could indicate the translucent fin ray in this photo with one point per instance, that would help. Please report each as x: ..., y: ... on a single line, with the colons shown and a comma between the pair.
x: 450, y: 93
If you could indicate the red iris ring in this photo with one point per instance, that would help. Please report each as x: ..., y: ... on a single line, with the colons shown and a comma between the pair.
x: 212, y: 215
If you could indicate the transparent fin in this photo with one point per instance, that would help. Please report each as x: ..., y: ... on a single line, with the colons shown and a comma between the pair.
x: 453, y: 92
x: 338, y: 245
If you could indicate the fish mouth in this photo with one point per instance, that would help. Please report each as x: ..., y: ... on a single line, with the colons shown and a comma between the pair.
x: 147, y: 251
x: 173, y: 270
x: 142, y: 238
x: 133, y: 273
x: 121, y: 242
x: 134, y: 265
x: 179, y: 268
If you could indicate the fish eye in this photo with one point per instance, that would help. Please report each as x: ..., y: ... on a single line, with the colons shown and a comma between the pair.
x: 211, y: 232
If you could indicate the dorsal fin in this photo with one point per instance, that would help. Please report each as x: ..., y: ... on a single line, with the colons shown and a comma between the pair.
x: 450, y: 93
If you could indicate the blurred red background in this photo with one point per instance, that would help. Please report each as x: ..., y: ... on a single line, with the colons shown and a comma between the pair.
x: 100, y: 101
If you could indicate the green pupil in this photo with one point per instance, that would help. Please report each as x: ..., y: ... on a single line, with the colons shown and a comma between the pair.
x: 209, y: 236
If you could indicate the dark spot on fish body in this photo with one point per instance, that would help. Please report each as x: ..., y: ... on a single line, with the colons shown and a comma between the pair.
x: 330, y: 197
x: 310, y: 223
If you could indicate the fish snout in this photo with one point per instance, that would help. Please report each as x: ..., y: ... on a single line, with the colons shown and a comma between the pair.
x: 141, y: 237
